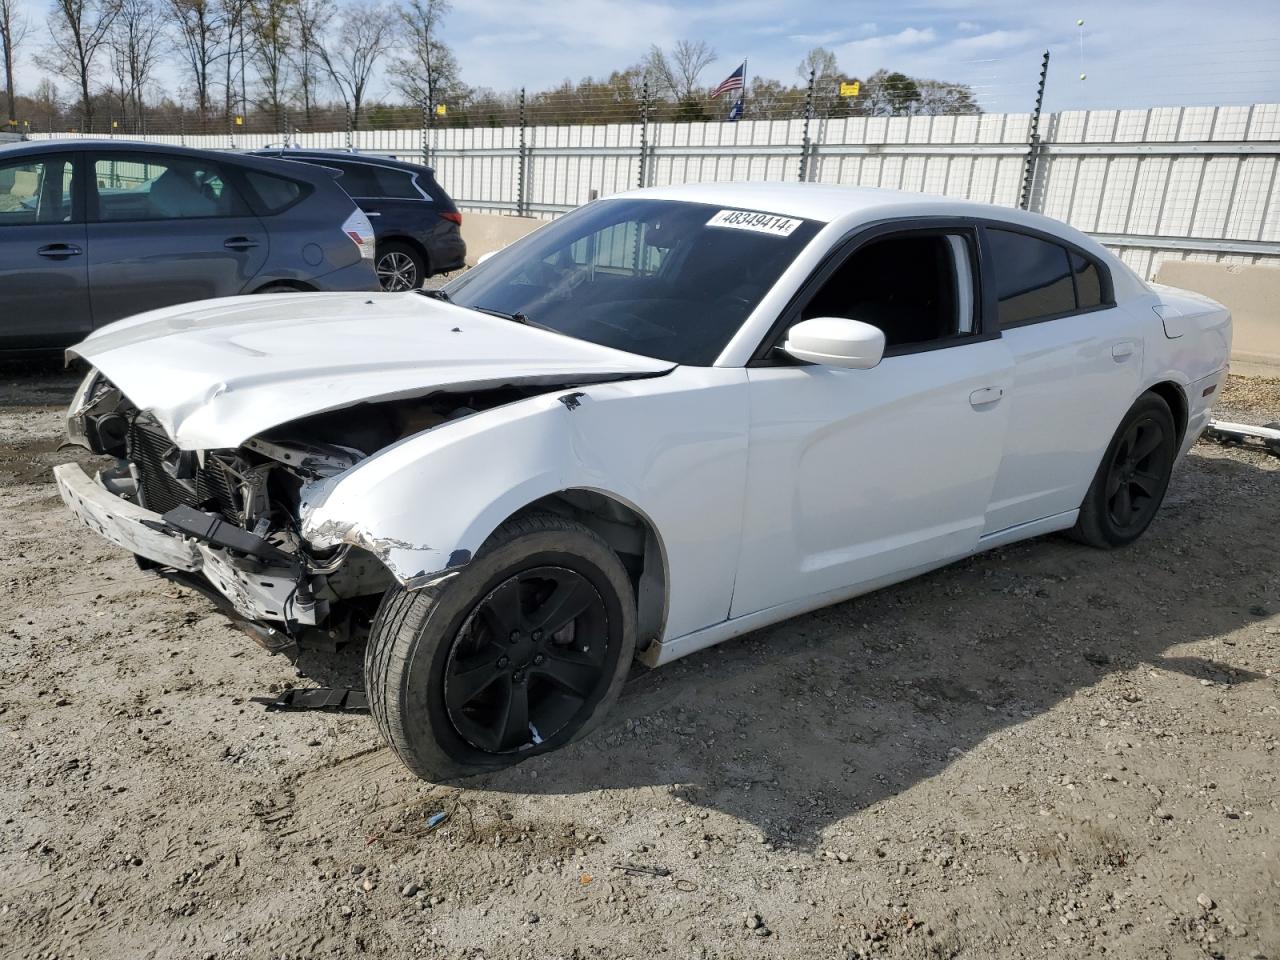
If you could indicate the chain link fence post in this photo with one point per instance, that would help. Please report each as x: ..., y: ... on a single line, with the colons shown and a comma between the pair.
x: 644, y: 131
x: 808, y: 116
x: 520, y: 161
x: 1032, y: 168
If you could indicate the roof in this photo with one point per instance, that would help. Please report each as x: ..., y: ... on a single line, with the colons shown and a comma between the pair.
x: 348, y: 156
x: 829, y: 202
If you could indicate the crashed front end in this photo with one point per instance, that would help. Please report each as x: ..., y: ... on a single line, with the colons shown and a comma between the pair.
x: 226, y: 522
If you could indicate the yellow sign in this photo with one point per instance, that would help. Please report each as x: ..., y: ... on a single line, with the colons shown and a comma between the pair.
x: 850, y: 89
x: 441, y: 110
x: 239, y: 121
x: 114, y: 125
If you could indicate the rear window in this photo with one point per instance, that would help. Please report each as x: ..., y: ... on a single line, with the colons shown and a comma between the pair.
x: 276, y: 194
x: 367, y: 180
x: 1088, y: 281
x: 1033, y: 277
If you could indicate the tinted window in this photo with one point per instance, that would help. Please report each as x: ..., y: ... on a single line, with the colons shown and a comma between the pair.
x: 1088, y: 281
x: 398, y: 184
x: 146, y: 186
x: 1033, y: 278
x: 35, y: 190
x: 656, y: 277
x: 357, y: 179
x: 907, y: 286
x: 276, y: 193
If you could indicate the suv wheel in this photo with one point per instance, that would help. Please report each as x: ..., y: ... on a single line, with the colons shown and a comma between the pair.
x: 399, y: 266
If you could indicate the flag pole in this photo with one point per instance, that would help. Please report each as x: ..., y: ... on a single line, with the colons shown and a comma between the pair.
x: 743, y: 114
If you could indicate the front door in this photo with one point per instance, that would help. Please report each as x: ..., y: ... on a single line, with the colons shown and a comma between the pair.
x: 166, y: 229
x: 44, y: 293
x: 857, y: 477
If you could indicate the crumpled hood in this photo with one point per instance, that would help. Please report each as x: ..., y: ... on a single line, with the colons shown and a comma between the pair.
x: 217, y: 372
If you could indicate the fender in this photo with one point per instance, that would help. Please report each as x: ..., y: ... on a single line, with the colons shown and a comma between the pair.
x: 671, y: 447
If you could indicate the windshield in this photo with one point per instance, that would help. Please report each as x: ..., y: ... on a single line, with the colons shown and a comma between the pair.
x: 668, y: 280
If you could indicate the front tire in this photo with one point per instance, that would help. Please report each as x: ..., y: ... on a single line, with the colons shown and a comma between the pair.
x: 522, y: 652
x: 1132, y: 479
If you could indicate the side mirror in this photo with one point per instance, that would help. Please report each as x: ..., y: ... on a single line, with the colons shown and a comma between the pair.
x: 836, y: 342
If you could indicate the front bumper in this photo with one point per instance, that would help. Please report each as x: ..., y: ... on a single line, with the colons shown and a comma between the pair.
x: 256, y: 591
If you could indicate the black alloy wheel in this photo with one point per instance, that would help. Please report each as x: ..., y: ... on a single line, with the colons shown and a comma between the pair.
x: 1138, y: 475
x: 527, y: 660
x: 1132, y: 478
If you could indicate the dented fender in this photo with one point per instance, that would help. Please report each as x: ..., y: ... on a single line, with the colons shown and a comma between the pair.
x: 426, y: 504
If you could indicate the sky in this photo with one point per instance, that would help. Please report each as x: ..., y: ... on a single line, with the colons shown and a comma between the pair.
x: 1132, y: 54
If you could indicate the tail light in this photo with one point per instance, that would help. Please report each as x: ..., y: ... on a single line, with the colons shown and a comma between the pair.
x: 360, y: 230
x: 453, y: 217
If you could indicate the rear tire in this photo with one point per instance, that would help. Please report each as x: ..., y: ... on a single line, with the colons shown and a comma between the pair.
x: 399, y: 267
x: 462, y: 679
x: 1131, y: 481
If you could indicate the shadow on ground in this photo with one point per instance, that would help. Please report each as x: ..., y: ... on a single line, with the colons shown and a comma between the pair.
x: 804, y: 723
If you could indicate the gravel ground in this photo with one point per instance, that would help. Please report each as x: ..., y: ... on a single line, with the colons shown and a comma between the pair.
x: 1046, y: 751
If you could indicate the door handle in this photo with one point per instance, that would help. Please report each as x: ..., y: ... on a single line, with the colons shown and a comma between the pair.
x: 240, y: 243
x: 985, y: 395
x: 372, y: 213
x: 1122, y: 351
x: 60, y: 251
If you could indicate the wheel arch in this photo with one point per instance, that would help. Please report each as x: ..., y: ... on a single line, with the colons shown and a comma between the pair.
x: 1173, y: 394
x: 632, y: 535
x: 409, y: 241
x: 297, y: 285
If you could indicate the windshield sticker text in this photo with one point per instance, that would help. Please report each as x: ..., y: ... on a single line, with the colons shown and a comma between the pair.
x: 759, y: 222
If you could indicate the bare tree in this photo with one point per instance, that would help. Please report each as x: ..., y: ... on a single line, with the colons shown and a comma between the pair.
x: 428, y: 73
x: 13, y: 30
x: 199, y: 30
x: 77, y: 31
x: 234, y: 15
x: 676, y: 74
x: 135, y: 46
x: 363, y: 37
x: 312, y: 18
x: 271, y: 26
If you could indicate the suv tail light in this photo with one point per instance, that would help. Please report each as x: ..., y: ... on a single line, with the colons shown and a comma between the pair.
x: 452, y: 218
x: 360, y: 230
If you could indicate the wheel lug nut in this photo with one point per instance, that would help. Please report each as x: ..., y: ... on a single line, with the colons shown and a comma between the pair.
x: 515, y: 636
x: 537, y: 661
x: 537, y: 636
x: 502, y: 662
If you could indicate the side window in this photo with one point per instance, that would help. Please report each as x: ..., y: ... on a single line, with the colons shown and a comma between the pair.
x: 35, y: 190
x: 275, y: 194
x: 146, y: 186
x: 1032, y: 276
x: 358, y: 180
x: 917, y: 288
x: 1088, y: 281
x: 397, y: 185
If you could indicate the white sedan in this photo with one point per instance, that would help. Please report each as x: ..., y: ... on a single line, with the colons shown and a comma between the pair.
x: 666, y: 419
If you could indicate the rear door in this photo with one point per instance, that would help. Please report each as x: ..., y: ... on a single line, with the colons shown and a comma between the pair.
x: 44, y: 296
x: 166, y: 229
x: 1077, y: 367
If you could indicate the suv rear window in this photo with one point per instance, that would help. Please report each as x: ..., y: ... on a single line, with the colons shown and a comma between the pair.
x: 368, y: 180
x: 276, y: 193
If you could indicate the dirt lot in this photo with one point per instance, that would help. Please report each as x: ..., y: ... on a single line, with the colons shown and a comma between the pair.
x: 1043, y: 752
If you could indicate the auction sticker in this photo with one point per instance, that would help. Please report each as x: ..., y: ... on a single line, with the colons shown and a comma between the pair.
x: 759, y: 222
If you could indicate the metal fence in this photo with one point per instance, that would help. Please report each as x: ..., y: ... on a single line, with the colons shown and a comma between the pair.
x: 1168, y: 182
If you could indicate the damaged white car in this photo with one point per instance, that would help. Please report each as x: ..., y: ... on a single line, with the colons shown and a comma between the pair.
x: 663, y: 420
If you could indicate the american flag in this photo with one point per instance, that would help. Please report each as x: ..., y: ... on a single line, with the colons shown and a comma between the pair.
x: 733, y: 81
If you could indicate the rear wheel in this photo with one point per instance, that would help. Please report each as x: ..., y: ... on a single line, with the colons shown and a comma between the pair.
x: 522, y: 652
x: 399, y: 267
x: 1132, y: 479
